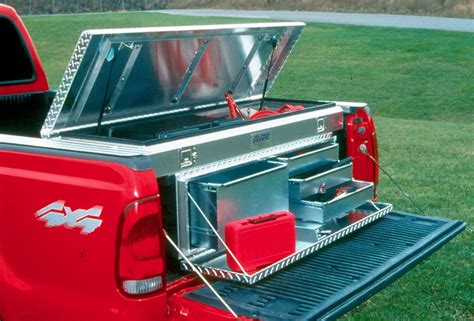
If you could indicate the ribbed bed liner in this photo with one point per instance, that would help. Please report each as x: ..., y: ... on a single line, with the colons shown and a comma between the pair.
x: 339, y: 277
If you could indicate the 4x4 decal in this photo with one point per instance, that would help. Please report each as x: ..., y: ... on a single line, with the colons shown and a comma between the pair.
x: 56, y: 214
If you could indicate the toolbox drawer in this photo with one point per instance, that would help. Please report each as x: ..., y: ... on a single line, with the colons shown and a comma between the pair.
x: 307, y: 183
x: 310, y: 209
x: 298, y: 160
x: 232, y: 194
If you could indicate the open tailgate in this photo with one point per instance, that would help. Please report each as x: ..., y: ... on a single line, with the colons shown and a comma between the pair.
x: 339, y: 277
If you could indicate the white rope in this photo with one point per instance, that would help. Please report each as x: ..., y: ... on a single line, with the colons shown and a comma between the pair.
x: 201, y: 276
x: 373, y: 204
x: 217, y: 234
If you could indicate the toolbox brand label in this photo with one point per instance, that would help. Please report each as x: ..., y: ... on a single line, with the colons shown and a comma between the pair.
x: 56, y: 214
x: 262, y: 139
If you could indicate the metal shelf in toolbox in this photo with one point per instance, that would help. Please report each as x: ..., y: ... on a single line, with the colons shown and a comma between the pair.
x: 217, y: 266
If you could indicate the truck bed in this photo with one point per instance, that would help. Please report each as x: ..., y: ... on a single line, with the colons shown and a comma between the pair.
x: 341, y: 276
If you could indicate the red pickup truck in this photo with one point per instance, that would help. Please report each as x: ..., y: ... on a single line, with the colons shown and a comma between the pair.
x: 119, y: 191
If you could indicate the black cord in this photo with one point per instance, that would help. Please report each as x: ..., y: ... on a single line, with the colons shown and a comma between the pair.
x: 364, y: 151
x: 273, y: 42
x: 106, y: 99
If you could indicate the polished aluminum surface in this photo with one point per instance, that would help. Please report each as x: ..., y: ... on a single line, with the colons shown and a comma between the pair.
x: 117, y: 75
x: 302, y: 187
x: 234, y: 144
x: 183, y: 177
x: 238, y: 142
x: 298, y: 160
x: 218, y: 267
x: 76, y: 145
x: 254, y: 189
x: 322, y: 212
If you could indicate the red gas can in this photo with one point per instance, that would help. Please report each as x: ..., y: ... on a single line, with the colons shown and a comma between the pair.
x: 260, y: 240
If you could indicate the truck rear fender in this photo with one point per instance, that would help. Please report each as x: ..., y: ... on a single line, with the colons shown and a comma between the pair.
x: 70, y: 214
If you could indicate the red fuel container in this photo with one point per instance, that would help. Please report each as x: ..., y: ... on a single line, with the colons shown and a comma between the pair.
x: 260, y: 240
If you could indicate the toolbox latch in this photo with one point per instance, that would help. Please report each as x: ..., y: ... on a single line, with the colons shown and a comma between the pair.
x: 187, y: 157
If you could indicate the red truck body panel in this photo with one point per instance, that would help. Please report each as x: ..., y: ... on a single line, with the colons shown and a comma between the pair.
x: 182, y: 309
x: 60, y: 273
x: 39, y: 82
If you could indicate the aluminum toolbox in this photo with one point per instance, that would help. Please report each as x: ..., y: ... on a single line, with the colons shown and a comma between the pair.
x: 240, y: 192
x: 159, y: 92
x: 322, y: 212
x: 118, y: 76
x: 260, y: 240
x: 307, y: 183
x: 300, y: 159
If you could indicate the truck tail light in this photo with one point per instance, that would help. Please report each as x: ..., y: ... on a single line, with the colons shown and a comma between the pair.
x: 361, y: 139
x: 141, y: 261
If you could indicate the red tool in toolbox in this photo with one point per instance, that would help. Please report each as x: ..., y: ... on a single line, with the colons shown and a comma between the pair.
x: 260, y: 240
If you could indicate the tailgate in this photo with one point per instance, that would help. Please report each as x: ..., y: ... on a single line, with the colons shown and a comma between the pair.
x: 339, y: 277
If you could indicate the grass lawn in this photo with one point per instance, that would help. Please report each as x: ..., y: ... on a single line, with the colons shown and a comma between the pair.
x: 420, y: 86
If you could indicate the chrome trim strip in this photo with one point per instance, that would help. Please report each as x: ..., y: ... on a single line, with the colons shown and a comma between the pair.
x: 75, y: 145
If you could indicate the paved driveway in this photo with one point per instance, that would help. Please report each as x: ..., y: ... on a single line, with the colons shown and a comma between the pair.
x: 361, y: 19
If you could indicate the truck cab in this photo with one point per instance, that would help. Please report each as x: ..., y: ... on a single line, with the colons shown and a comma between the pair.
x: 24, y: 96
x: 123, y: 188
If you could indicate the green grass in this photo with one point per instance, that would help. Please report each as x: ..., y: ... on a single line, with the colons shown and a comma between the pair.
x: 416, y: 74
x: 420, y: 85
x: 434, y: 162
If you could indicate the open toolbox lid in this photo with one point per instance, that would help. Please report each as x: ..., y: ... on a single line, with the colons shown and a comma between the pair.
x: 116, y: 75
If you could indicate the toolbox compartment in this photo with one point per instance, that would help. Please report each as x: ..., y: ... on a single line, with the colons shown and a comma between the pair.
x: 232, y: 194
x: 301, y: 159
x: 307, y: 183
x: 309, y: 208
x: 307, y: 231
x: 260, y: 240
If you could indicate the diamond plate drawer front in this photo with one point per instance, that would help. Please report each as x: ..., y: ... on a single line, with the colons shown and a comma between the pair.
x: 322, y: 212
x: 300, y: 159
x: 306, y: 184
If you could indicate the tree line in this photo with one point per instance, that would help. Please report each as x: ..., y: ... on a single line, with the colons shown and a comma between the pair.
x: 33, y: 7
